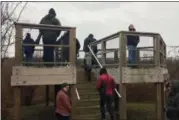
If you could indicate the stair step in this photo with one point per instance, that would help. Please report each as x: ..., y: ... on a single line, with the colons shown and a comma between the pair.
x: 87, y: 102
x: 91, y: 117
x: 87, y: 91
x: 88, y: 117
x: 86, y: 85
x: 87, y: 95
x: 88, y: 109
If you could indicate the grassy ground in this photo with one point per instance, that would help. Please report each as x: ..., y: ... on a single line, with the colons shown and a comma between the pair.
x: 135, y: 112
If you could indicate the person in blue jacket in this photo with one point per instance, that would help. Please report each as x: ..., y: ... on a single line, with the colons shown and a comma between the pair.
x: 28, y: 50
x: 132, y: 42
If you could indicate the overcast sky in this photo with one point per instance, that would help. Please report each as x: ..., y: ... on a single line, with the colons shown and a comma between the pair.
x: 104, y: 18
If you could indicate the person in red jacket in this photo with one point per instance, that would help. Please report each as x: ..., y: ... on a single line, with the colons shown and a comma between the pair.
x: 106, y: 86
x: 63, y: 104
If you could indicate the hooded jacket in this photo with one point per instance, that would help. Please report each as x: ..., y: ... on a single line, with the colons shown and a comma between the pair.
x: 49, y: 35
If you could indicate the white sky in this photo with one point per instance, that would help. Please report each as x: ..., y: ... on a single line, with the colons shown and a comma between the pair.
x: 105, y: 18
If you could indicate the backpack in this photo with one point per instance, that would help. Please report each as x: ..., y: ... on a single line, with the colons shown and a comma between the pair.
x: 103, y: 87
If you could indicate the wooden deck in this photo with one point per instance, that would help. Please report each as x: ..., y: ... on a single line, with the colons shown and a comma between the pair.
x: 25, y: 76
x: 138, y: 75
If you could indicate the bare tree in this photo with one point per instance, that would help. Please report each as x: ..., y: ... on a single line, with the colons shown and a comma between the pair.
x: 9, y: 14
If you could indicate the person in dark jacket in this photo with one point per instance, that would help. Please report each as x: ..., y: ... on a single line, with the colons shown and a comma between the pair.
x: 132, y: 42
x: 89, y: 60
x: 172, y: 108
x: 64, y: 40
x: 63, y: 103
x: 106, y: 86
x: 49, y: 36
x: 28, y: 50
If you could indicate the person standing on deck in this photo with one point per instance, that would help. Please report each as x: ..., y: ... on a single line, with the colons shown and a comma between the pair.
x: 65, y: 40
x: 132, y: 42
x: 106, y: 86
x: 63, y: 103
x: 89, y: 60
x: 28, y: 50
x: 49, y: 37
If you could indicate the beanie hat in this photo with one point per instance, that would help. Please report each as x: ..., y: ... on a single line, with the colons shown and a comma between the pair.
x: 64, y: 85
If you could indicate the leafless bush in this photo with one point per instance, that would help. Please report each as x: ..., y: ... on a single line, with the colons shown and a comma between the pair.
x: 9, y: 14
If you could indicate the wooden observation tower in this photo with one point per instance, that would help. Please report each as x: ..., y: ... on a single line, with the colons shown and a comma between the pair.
x: 151, y: 72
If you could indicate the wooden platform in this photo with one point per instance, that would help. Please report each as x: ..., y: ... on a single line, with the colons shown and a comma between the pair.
x: 138, y: 75
x: 25, y: 76
x: 144, y: 75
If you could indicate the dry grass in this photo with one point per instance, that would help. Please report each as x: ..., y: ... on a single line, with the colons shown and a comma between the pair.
x: 136, y: 111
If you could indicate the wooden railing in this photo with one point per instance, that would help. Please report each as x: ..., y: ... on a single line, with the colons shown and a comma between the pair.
x: 158, y: 47
x: 19, y: 38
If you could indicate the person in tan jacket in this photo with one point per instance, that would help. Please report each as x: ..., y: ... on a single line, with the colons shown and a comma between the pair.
x: 63, y: 104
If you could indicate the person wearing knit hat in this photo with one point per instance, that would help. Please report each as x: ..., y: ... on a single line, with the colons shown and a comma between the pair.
x: 63, y: 103
x: 132, y: 42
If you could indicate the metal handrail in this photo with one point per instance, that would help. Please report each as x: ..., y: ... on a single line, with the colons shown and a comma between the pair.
x: 101, y: 67
x: 95, y: 56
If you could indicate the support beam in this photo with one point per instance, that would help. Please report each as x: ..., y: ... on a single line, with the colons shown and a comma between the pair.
x: 73, y: 100
x: 159, y: 101
x: 159, y: 86
x: 18, y: 59
x: 17, y: 103
x: 18, y: 44
x: 72, y: 51
x: 116, y: 56
x: 122, y: 86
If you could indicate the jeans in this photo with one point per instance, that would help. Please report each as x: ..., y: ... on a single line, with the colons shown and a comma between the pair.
x: 106, y: 101
x: 132, y: 54
x: 61, y: 117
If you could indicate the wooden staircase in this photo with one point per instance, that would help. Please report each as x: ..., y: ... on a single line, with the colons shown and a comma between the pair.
x: 87, y: 108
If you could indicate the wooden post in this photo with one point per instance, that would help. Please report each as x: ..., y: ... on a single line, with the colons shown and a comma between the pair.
x: 72, y: 53
x: 18, y: 44
x: 156, y: 51
x: 122, y: 87
x: 73, y: 100
x: 159, y: 86
x: 72, y: 45
x: 46, y: 95
x: 138, y: 57
x: 18, y: 58
x: 103, y: 50
x: 116, y: 56
x: 17, y: 103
